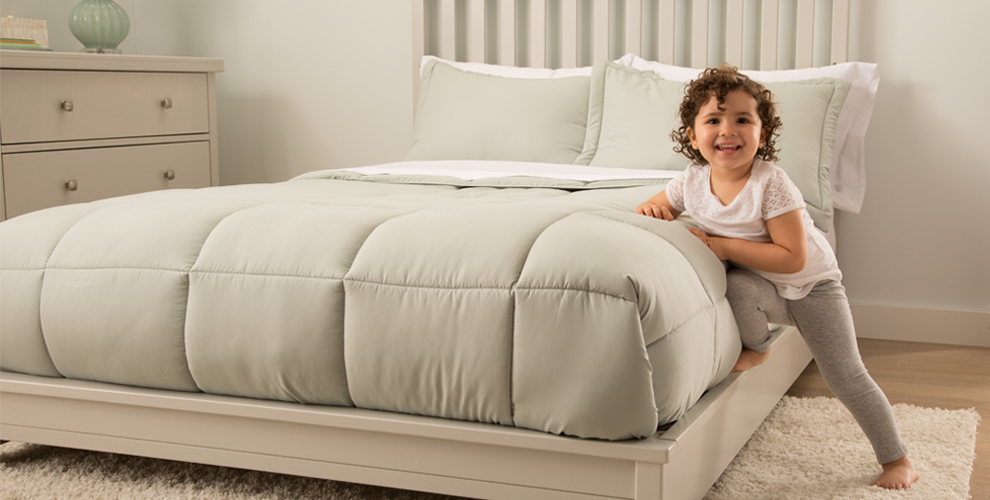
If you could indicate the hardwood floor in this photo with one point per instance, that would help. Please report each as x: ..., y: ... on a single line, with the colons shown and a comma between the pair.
x: 930, y: 375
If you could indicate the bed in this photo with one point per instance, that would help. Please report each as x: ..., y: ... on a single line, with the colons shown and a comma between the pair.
x: 487, y: 318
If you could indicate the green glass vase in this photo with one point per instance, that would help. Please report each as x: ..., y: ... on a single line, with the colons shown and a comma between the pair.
x: 100, y: 25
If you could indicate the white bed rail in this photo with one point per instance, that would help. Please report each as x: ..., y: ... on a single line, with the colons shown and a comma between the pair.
x: 750, y: 34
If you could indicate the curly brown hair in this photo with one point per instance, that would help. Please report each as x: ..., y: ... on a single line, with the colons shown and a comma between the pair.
x: 717, y: 83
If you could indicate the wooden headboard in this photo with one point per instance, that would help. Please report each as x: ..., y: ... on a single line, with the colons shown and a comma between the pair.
x: 750, y: 34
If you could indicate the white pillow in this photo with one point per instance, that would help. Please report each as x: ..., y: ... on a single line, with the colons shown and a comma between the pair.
x: 848, y: 169
x: 514, y: 72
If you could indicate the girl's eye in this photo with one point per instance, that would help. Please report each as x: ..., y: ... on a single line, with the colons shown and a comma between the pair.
x: 743, y: 120
x: 713, y: 121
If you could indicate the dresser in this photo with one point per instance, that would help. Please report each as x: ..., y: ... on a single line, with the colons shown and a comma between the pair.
x: 78, y: 127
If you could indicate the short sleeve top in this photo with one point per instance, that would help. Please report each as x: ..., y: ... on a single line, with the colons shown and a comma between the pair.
x: 768, y: 193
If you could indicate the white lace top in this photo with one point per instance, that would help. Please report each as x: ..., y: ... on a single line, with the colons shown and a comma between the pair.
x: 768, y: 193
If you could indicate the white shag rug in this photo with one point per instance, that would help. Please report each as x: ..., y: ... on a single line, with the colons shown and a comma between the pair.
x: 811, y: 448
x: 806, y: 449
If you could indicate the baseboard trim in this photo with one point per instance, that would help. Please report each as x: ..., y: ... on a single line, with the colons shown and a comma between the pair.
x: 922, y: 325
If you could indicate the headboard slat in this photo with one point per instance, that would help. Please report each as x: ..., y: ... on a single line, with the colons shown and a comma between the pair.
x: 634, y: 26
x: 666, y: 36
x: 804, y: 45
x: 476, y: 31
x: 601, y: 29
x: 768, y: 38
x: 840, y: 31
x: 537, y: 34
x: 448, y: 30
x: 699, y: 34
x: 507, y: 33
x: 419, y: 43
x: 569, y: 34
x: 734, y: 33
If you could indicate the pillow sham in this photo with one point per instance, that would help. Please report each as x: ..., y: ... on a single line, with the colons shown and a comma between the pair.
x: 631, y: 114
x: 848, y: 168
x: 809, y: 110
x: 464, y: 115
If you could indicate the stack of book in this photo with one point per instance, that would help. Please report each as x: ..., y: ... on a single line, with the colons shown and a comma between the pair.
x: 20, y: 43
x: 23, y: 34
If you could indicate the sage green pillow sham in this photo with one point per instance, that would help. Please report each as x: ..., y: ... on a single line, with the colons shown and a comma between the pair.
x: 809, y: 110
x: 631, y: 114
x: 463, y: 115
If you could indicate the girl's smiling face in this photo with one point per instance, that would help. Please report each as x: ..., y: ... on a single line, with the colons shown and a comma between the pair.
x: 728, y: 137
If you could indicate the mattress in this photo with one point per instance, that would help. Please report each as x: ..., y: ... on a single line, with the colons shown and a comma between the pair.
x: 524, y: 295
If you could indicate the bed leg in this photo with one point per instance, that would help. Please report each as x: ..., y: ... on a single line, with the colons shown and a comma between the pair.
x: 649, y: 481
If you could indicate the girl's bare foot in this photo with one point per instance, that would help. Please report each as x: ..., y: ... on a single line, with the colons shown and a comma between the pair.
x: 749, y: 358
x: 897, y: 475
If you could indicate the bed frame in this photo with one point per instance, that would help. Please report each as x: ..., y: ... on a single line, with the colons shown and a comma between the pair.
x: 467, y: 458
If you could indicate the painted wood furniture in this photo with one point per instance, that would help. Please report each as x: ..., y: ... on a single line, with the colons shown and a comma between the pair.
x: 80, y: 127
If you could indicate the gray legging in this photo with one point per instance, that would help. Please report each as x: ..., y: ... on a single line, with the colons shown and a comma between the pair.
x: 825, y: 321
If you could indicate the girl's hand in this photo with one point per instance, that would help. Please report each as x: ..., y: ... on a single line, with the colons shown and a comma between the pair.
x: 786, y: 253
x: 710, y: 242
x: 655, y: 210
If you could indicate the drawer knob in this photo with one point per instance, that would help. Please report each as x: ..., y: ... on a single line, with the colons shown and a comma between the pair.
x: 71, y: 185
x: 167, y: 103
x: 170, y: 174
x: 67, y: 105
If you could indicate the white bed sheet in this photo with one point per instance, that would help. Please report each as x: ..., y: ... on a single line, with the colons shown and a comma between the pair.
x: 478, y: 169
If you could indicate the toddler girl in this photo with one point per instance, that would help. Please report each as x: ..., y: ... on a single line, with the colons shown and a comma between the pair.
x: 783, y: 270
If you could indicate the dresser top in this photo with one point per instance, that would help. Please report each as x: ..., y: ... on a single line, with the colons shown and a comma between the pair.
x: 23, y: 59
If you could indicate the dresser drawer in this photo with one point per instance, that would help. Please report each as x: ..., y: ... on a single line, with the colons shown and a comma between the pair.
x: 32, y: 181
x: 48, y: 106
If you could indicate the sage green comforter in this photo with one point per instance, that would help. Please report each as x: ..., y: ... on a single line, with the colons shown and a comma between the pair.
x: 534, y: 303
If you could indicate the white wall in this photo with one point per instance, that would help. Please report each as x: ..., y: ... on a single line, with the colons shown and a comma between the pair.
x: 922, y: 239
x: 312, y: 84
x: 307, y: 85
